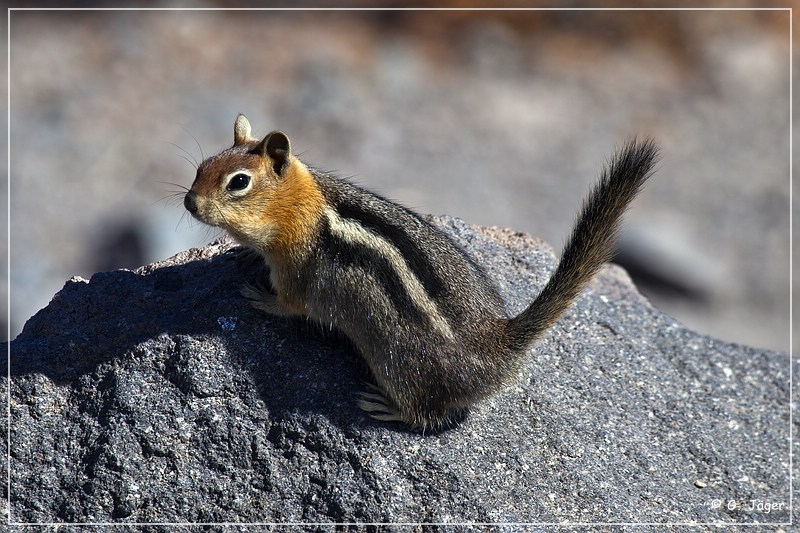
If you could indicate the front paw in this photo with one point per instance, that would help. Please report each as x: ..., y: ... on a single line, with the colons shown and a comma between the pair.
x: 263, y: 299
x: 247, y: 257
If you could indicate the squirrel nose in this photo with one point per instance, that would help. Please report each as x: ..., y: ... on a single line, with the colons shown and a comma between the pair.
x: 190, y: 201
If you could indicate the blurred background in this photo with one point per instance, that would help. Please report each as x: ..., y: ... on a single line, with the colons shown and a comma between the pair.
x: 499, y: 118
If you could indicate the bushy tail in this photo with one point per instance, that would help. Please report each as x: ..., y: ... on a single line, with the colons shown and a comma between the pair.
x: 591, y: 243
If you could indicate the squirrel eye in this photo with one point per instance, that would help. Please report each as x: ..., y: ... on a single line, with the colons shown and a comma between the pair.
x: 238, y: 182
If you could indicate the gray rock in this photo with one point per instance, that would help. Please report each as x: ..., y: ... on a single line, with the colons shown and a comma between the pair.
x: 160, y: 395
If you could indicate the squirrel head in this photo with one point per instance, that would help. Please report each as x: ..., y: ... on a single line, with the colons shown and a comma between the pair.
x: 257, y: 191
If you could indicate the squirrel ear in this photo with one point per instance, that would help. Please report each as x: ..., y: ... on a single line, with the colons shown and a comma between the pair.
x: 277, y: 147
x: 241, y: 130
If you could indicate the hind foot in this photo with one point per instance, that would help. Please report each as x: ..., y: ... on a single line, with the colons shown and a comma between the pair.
x: 377, y: 406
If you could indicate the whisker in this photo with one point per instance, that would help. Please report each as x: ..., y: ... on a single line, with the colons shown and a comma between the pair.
x: 202, y: 155
x: 221, y: 214
x: 173, y: 197
x: 179, y: 221
x: 185, y: 158
x: 178, y: 185
x: 209, y: 233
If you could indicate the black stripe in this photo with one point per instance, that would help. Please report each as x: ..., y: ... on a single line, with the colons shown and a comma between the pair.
x: 348, y: 254
x: 397, y: 235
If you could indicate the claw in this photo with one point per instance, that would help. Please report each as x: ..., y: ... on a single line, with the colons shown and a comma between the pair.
x: 374, y: 388
x: 377, y: 406
x: 386, y: 417
x: 263, y: 299
x: 255, y: 292
x: 378, y: 398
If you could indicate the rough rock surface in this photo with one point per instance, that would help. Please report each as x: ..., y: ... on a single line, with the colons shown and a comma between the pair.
x: 160, y: 396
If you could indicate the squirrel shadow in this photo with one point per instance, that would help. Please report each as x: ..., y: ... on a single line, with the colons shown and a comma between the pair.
x: 295, y: 365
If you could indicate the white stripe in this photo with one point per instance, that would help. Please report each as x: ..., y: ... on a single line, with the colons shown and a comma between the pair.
x: 351, y: 231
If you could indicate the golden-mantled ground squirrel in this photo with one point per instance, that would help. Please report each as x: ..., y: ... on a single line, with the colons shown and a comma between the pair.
x: 427, y: 320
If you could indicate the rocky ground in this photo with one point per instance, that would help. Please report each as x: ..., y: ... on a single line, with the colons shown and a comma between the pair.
x: 160, y: 396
